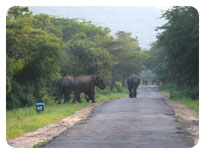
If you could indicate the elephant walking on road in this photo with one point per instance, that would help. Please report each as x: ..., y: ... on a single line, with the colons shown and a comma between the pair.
x: 133, y: 82
x: 145, y: 82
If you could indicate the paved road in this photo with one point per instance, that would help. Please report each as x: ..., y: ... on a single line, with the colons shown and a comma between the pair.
x: 143, y: 122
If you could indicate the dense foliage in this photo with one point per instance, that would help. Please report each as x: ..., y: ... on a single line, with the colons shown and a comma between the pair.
x: 43, y: 48
x: 175, y: 55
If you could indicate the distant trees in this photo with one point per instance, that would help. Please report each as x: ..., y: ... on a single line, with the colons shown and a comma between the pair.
x: 175, y: 55
x: 126, y: 55
x: 42, y: 48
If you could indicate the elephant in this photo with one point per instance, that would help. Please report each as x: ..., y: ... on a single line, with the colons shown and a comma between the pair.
x: 65, y: 86
x: 133, y: 82
x: 155, y: 81
x: 145, y: 82
x: 86, y: 84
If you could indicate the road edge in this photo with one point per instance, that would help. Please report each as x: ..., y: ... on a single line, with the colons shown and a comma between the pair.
x: 191, y: 125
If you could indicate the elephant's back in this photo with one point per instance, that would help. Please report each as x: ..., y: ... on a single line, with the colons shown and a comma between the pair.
x: 82, y: 83
x: 70, y: 78
x: 84, y: 78
x: 132, y: 78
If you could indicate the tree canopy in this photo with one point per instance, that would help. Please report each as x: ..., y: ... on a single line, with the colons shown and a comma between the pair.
x: 175, y: 54
x: 43, y: 48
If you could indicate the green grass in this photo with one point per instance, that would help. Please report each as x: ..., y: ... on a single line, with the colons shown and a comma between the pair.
x: 181, y: 97
x: 26, y: 119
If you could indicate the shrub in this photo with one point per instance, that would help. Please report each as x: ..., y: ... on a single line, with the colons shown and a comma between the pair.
x: 118, y: 86
x: 21, y: 95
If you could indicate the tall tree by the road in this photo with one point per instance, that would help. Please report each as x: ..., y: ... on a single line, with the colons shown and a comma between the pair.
x: 178, y: 45
x: 33, y: 58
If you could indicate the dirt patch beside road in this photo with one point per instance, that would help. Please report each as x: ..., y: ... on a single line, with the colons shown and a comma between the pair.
x: 46, y: 133
x: 186, y: 116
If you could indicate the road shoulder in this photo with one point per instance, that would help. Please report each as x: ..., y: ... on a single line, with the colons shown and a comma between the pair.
x: 186, y: 116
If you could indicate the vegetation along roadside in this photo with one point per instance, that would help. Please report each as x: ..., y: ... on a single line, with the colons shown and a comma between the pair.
x: 182, y: 98
x: 23, y: 120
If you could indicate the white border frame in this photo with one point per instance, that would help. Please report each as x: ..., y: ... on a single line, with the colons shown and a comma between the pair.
x: 9, y: 3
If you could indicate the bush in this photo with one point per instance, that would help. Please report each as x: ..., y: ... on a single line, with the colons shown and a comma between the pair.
x: 190, y: 92
x: 21, y: 95
x: 118, y: 86
x: 193, y: 92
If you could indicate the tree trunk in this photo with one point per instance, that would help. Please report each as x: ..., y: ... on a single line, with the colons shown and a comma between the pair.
x: 123, y: 81
x: 112, y: 84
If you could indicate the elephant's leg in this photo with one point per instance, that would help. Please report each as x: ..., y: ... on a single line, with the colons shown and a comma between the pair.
x: 135, y: 92
x: 91, y: 95
x: 79, y: 99
x: 75, y: 97
x: 88, y: 96
x: 67, y: 96
x: 130, y: 91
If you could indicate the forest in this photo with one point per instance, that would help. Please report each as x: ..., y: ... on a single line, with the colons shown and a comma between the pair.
x: 40, y: 49
x: 174, y: 57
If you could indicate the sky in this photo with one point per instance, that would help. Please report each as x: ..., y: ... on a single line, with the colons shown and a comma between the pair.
x: 141, y: 21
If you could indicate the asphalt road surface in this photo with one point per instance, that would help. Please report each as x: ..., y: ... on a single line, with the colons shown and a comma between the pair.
x: 144, y: 122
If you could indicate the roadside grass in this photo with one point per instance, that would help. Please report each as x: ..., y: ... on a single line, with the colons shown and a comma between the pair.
x: 181, y: 97
x: 23, y: 120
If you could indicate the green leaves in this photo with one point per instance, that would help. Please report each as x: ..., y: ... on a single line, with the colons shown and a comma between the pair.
x: 87, y: 57
x: 176, y: 52
x: 42, y: 48
x: 33, y: 56
x: 126, y: 54
x: 18, y: 12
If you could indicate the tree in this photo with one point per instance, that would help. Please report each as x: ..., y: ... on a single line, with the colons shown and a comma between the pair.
x: 157, y: 63
x: 42, y: 48
x: 44, y: 22
x: 84, y: 52
x: 18, y: 12
x: 86, y: 58
x: 126, y: 55
x: 70, y: 27
x: 33, y: 58
x: 179, y: 43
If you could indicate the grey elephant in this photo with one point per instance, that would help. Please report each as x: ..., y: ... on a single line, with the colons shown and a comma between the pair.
x: 86, y: 84
x: 155, y: 81
x: 133, y: 82
x: 145, y: 82
x: 65, y: 86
